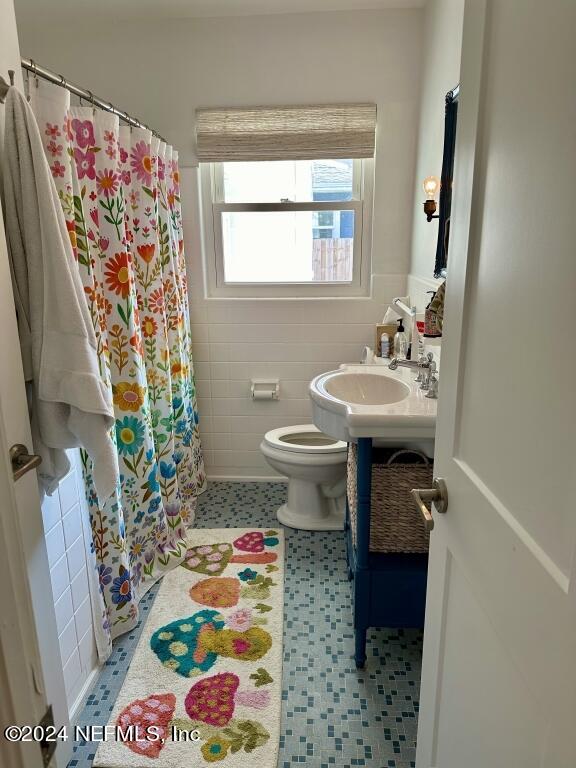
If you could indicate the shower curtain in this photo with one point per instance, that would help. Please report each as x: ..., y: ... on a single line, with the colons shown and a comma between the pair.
x: 119, y: 189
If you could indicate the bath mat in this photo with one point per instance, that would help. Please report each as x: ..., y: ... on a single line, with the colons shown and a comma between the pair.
x: 205, y: 683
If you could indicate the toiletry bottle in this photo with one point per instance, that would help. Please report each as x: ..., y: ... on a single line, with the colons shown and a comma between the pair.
x: 431, y: 329
x: 384, y: 345
x: 400, y: 341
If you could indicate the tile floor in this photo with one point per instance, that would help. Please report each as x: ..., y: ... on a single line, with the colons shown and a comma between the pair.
x: 332, y: 714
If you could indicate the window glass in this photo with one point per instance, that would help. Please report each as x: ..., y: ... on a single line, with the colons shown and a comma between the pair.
x: 288, y: 246
x: 288, y: 181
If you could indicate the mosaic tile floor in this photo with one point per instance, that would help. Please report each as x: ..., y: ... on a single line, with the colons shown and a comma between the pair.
x: 332, y: 714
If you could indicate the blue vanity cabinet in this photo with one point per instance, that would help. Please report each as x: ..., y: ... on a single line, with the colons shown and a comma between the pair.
x: 389, y: 588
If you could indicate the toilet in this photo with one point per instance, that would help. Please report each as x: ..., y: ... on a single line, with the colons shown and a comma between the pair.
x: 315, y: 466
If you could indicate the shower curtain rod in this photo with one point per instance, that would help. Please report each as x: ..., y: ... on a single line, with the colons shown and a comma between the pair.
x: 57, y: 79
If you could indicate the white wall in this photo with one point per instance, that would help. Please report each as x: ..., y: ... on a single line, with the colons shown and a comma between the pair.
x: 440, y: 73
x: 161, y: 71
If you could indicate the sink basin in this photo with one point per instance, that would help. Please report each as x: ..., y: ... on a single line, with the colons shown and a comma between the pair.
x: 372, y: 401
x: 366, y: 388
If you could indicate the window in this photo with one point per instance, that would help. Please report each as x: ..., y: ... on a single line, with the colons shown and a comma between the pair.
x: 287, y: 198
x: 274, y: 225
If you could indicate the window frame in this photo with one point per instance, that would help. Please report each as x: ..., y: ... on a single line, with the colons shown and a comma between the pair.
x: 213, y: 205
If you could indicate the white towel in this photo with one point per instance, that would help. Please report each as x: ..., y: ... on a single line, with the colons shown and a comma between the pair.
x: 70, y: 404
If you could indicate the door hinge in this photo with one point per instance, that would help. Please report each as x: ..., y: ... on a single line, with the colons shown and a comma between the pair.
x: 47, y: 748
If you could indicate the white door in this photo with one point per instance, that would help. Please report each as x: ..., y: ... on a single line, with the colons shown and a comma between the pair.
x: 32, y: 676
x: 499, y: 668
x: 30, y: 664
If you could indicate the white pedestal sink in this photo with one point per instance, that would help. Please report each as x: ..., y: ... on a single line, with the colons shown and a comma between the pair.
x: 373, y: 401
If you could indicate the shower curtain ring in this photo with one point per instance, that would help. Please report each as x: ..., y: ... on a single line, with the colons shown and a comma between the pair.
x: 63, y: 82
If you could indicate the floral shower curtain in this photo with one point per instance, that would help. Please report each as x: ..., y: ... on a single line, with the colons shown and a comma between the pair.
x: 119, y: 189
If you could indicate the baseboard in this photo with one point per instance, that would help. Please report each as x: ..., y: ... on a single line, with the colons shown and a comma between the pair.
x: 246, y: 479
x: 83, y: 695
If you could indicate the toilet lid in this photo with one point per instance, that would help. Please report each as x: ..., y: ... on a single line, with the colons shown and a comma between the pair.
x: 303, y: 438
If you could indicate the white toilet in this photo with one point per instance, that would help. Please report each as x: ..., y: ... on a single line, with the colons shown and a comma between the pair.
x: 315, y: 466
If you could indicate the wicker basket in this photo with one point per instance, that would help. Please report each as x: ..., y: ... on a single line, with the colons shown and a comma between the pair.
x: 395, y: 525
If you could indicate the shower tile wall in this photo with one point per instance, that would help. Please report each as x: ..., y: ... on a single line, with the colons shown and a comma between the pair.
x: 293, y: 340
x: 62, y: 516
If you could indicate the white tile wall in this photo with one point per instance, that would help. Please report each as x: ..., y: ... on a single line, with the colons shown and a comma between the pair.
x: 63, y: 529
x: 239, y: 339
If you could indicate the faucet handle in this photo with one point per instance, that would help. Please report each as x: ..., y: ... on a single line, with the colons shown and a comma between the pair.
x: 422, y: 360
x: 432, y: 387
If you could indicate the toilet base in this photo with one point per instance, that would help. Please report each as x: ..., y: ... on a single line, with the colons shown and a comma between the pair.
x: 318, y: 513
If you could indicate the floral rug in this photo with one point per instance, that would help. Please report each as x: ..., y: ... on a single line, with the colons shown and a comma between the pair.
x: 205, y: 682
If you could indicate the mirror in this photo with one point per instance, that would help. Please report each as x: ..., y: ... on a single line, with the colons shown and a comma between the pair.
x: 445, y: 205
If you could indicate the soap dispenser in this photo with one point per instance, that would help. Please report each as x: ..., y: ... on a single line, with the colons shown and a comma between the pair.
x: 400, y: 341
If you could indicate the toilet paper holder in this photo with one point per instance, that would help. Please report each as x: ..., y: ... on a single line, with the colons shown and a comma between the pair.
x: 265, y: 389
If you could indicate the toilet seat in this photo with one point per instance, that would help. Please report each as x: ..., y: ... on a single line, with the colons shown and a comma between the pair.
x: 303, y: 438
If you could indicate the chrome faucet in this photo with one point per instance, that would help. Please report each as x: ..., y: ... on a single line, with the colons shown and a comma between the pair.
x: 426, y: 372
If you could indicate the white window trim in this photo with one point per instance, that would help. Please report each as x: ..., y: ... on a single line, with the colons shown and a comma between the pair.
x: 212, y: 193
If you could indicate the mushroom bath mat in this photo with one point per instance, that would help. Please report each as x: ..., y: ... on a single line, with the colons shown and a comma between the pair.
x: 205, y: 682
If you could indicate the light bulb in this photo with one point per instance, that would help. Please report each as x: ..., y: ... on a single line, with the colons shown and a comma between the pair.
x: 430, y: 186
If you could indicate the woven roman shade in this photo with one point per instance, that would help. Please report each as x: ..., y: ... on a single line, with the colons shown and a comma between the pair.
x: 285, y: 133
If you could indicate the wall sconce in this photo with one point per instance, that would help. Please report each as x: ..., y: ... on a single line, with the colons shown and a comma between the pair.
x: 431, y: 184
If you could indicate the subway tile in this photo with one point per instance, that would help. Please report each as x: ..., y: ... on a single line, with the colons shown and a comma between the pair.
x: 245, y: 442
x: 88, y: 652
x: 220, y: 424
x: 68, y: 491
x: 205, y: 424
x: 352, y: 333
x: 221, y: 388
x: 220, y: 353
x: 204, y: 406
x: 201, y: 353
x: 198, y: 313
x: 300, y: 311
x: 203, y: 388
x: 55, y: 544
x: 80, y: 589
x: 68, y: 641
x: 199, y: 335
x: 268, y: 408
x: 219, y: 370
x: 295, y: 389
x: 59, y: 577
x: 51, y: 513
x: 76, y: 557
x: 253, y: 459
x: 72, y: 525
x: 64, y: 610
x: 83, y: 618
x: 242, y: 352
x: 201, y: 371
x: 216, y: 441
x: 295, y: 371
x: 220, y: 407
x: 208, y: 459
x: 242, y: 424
x: 72, y: 677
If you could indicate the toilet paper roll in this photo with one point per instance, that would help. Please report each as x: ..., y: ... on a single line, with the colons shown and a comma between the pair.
x: 263, y: 394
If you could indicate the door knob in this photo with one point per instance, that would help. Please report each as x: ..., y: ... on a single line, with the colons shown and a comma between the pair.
x: 438, y: 494
x: 22, y: 461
